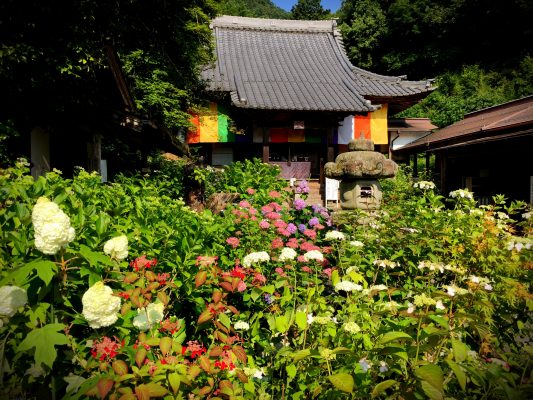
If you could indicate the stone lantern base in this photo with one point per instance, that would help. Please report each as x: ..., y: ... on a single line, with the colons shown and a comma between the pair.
x: 364, y: 194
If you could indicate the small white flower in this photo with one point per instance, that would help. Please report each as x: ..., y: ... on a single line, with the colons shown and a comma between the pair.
x: 356, y: 243
x: 474, y: 279
x: 314, y: 255
x: 410, y: 308
x: 310, y: 319
x: 488, y: 287
x: 527, y: 215
x: 287, y: 254
x: 439, y: 305
x: 347, y: 286
x: 450, y: 290
x: 383, y: 367
x: 242, y: 325
x: 378, y: 287
x: 335, y: 235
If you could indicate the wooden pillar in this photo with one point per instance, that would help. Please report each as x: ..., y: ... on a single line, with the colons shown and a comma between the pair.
x: 94, y: 153
x: 427, y: 162
x: 331, y: 150
x: 415, y: 165
x: 266, y: 147
x: 442, y: 173
x: 40, y: 151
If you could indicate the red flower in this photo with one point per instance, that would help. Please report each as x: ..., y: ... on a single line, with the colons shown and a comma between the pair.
x: 142, y: 262
x: 238, y: 273
x: 277, y: 243
x: 124, y: 295
x: 106, y: 348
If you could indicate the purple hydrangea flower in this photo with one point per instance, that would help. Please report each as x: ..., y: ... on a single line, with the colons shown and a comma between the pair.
x: 299, y: 204
x: 314, y: 221
x: 291, y: 228
x: 365, y: 366
x: 302, y: 187
x: 302, y: 228
x: 268, y: 298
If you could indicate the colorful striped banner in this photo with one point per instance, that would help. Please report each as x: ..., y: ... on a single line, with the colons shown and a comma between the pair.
x: 211, y: 127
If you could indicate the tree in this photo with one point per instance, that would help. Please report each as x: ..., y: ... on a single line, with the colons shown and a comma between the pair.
x: 54, y: 72
x: 309, y: 9
x: 365, y: 25
x: 252, y: 8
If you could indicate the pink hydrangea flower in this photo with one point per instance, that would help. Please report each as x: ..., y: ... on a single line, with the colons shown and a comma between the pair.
x: 284, y: 232
x: 292, y: 243
x: 264, y: 224
x: 274, y: 194
x: 280, y: 272
x: 233, y: 241
x: 244, y: 204
x: 305, y: 268
x: 273, y: 215
x: 277, y: 243
x: 267, y: 209
x: 327, y: 271
x: 250, y: 191
x: 241, y: 286
x: 279, y: 223
x: 275, y: 206
x: 301, y: 259
x: 311, y: 234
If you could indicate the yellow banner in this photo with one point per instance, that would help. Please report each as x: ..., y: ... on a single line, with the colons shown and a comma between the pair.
x: 378, y: 125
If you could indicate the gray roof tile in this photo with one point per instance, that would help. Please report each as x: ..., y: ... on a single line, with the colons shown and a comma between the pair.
x: 294, y: 65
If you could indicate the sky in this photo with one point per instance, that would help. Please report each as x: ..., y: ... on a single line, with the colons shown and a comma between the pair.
x: 332, y: 5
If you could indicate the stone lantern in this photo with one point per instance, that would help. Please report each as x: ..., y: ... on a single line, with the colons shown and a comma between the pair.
x: 359, y: 170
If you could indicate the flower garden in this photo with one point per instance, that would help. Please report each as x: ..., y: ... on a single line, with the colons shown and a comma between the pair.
x: 121, y: 291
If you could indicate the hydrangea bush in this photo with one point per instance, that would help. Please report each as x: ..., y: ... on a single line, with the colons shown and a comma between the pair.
x: 141, y: 297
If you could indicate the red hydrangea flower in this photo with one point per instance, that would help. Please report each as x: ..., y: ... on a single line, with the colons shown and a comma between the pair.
x: 142, y: 262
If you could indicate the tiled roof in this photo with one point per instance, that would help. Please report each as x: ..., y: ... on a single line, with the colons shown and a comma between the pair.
x: 516, y: 114
x: 411, y: 125
x: 295, y: 65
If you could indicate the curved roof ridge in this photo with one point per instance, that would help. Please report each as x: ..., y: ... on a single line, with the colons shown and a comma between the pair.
x: 265, y: 24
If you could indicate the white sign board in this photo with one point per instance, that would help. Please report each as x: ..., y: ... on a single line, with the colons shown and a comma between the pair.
x: 332, y: 190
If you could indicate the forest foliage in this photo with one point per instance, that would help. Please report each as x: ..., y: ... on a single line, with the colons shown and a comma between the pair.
x: 479, y: 51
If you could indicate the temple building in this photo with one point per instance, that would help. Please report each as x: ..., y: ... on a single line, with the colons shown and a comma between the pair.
x: 284, y: 91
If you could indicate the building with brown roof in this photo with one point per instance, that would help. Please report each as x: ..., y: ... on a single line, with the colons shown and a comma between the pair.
x: 289, y: 87
x: 490, y: 152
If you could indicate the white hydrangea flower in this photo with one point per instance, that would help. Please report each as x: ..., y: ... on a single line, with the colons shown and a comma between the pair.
x: 462, y: 193
x: 11, y: 299
x: 378, y: 287
x: 148, y: 316
x: 424, y: 185
x: 52, y: 227
x: 386, y: 264
x: 527, y: 215
x: 347, y: 286
x: 356, y: 243
x: 287, y: 254
x: 100, y: 307
x: 255, y: 258
x: 335, y: 235
x: 314, y: 255
x: 351, y: 327
x: 117, y: 247
x: 242, y: 325
x: 440, y: 305
x: 452, y: 290
x: 257, y: 373
x: 410, y: 308
x: 310, y: 319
